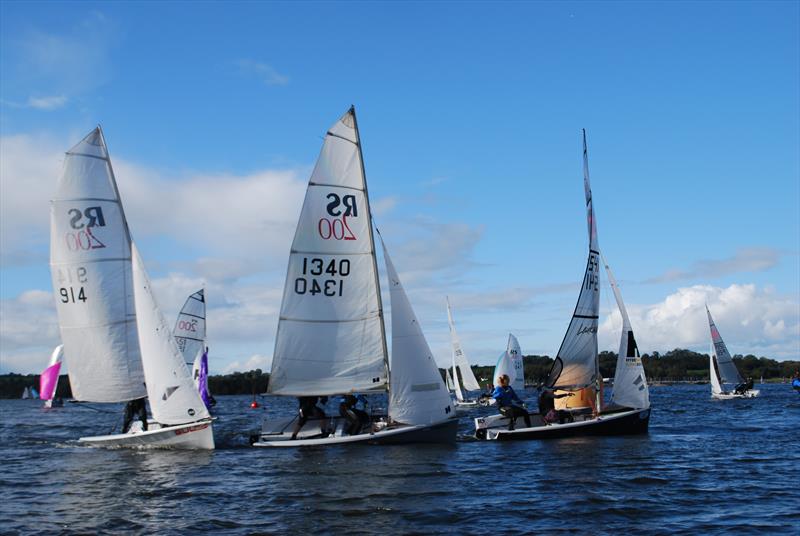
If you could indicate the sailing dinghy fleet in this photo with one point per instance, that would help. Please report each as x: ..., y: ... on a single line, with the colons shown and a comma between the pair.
x: 331, y: 338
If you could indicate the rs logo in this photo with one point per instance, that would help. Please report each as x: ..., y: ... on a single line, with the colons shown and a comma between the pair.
x: 348, y: 201
x: 94, y: 217
x: 340, y: 208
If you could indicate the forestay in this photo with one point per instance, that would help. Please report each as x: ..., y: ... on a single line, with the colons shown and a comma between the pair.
x: 418, y: 395
x: 469, y: 382
x: 728, y: 372
x: 173, y: 399
x: 90, y: 264
x: 190, y: 327
x: 630, y: 385
x: 575, y: 365
x: 330, y: 337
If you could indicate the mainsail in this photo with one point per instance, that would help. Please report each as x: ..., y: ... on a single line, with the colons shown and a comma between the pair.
x: 190, y: 327
x: 713, y: 373
x: 728, y: 372
x: 418, y: 395
x: 460, y: 360
x: 576, y: 365
x: 170, y: 390
x: 330, y: 337
x: 90, y: 264
x: 510, y: 363
x: 630, y: 385
x: 48, y: 381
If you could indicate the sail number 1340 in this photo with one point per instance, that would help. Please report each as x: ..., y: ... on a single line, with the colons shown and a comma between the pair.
x: 330, y: 284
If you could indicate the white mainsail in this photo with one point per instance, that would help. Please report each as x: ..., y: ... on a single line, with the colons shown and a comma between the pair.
x: 330, y: 337
x: 630, y: 384
x: 713, y: 376
x: 190, y: 327
x: 90, y: 265
x: 460, y: 360
x: 170, y: 390
x: 417, y: 395
x: 510, y: 364
x: 728, y: 372
x: 576, y: 364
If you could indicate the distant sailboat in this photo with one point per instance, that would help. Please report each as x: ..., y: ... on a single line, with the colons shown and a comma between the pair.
x: 510, y: 363
x: 48, y: 380
x: 460, y: 362
x: 99, y: 303
x: 726, y: 382
x: 26, y: 394
x: 331, y: 338
x: 576, y: 368
x: 190, y: 335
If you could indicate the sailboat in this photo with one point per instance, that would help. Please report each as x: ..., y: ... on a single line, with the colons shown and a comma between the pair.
x: 510, y: 364
x: 576, y: 368
x: 105, y: 318
x: 726, y: 382
x: 48, y: 380
x: 331, y: 338
x: 190, y: 335
x: 26, y: 394
x: 460, y: 362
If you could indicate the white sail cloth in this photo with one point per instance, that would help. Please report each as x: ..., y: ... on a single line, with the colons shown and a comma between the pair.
x: 510, y: 363
x: 190, y: 327
x: 630, y: 383
x: 469, y: 382
x: 575, y: 365
x: 173, y: 398
x: 330, y: 337
x: 418, y: 395
x: 728, y: 372
x: 713, y: 375
x: 90, y: 264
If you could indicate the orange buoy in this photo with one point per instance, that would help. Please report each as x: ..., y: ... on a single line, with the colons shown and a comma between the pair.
x: 253, y: 405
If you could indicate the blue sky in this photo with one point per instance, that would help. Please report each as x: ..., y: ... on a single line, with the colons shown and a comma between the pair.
x: 470, y: 115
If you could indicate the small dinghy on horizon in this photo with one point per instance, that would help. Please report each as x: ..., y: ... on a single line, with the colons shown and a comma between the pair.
x: 331, y: 339
x: 726, y: 382
x: 576, y: 368
x: 114, y: 336
x: 460, y: 362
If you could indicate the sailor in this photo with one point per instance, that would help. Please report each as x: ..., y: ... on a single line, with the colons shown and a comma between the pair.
x: 308, y: 409
x: 547, y: 407
x: 356, y: 418
x: 137, y: 408
x: 509, y: 403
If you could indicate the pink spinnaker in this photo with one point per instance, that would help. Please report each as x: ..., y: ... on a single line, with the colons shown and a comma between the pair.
x: 48, y: 381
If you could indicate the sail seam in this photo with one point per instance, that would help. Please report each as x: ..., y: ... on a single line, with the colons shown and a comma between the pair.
x: 335, y: 186
x: 87, y: 155
x: 329, y: 321
x: 341, y: 138
x: 87, y: 199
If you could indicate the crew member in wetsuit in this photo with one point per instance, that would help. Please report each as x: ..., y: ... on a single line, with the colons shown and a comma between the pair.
x: 137, y: 408
x: 509, y: 403
x: 547, y: 407
x: 356, y: 418
x: 310, y: 410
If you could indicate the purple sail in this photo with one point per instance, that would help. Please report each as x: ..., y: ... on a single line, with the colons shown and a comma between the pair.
x: 202, y: 380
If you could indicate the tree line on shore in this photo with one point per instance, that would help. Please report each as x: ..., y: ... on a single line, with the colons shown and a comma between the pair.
x: 675, y: 365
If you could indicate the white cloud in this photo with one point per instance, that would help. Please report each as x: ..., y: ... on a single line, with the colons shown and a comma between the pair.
x: 751, y: 320
x: 28, y: 331
x: 253, y: 362
x: 47, y: 103
x: 752, y: 259
x: 265, y: 72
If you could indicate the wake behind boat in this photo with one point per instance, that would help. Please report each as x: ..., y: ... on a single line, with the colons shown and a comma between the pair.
x: 576, y: 369
x: 331, y: 340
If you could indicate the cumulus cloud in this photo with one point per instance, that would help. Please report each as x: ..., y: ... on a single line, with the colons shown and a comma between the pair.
x: 253, y: 362
x: 28, y: 331
x: 263, y: 71
x: 752, y: 259
x: 751, y: 320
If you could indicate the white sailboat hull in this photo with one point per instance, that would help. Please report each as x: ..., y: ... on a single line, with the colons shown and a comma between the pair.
x: 750, y: 393
x: 191, y: 436
x: 632, y: 421
x: 279, y: 434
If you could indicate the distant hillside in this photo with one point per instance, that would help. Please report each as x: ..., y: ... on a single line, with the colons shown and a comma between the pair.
x: 675, y: 365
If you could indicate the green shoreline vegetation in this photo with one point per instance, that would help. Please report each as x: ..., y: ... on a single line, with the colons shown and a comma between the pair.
x: 678, y: 365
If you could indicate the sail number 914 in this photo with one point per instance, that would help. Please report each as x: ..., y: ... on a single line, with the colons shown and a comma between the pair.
x: 330, y: 284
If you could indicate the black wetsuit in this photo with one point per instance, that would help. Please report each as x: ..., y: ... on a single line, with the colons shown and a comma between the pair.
x: 137, y: 408
x: 355, y: 418
x: 308, y: 410
x: 547, y: 403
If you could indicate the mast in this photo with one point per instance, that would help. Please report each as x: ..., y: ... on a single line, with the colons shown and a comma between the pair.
x: 374, y: 252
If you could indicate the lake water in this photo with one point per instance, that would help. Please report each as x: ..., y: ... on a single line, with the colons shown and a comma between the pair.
x: 706, y: 467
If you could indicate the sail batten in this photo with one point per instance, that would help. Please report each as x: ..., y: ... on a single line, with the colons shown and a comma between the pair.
x: 330, y: 335
x: 91, y: 273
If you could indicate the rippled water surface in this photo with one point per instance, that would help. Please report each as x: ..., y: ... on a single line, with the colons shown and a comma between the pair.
x: 705, y: 467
